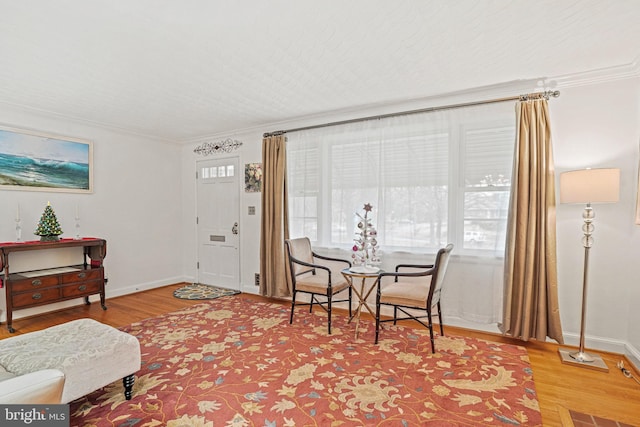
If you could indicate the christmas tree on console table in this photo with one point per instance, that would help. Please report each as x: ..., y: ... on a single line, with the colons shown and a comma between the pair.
x: 48, y: 226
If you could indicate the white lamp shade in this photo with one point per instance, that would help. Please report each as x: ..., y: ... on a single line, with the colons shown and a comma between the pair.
x: 590, y: 186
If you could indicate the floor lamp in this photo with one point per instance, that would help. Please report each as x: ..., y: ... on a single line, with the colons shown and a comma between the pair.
x: 587, y: 186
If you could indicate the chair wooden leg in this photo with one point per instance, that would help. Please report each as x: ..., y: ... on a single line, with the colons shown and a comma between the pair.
x: 293, y: 304
x: 377, y: 320
x: 440, y: 320
x: 329, y: 313
x: 433, y: 343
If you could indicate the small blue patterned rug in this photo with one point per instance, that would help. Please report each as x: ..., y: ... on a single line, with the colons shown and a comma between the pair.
x: 197, y: 291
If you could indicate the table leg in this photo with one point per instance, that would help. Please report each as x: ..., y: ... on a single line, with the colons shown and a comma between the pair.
x: 362, y: 293
x: 360, y: 303
x: 364, y: 299
x: 356, y: 313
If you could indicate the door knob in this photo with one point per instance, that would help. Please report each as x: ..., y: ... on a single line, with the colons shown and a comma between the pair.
x: 234, y: 229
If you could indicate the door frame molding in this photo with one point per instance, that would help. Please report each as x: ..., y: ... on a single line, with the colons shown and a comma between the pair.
x: 240, y: 175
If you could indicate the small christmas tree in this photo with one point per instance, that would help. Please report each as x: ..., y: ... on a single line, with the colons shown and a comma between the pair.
x: 48, y: 226
x: 365, y: 249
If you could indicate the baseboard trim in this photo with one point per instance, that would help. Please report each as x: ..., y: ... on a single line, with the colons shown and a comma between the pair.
x: 633, y: 354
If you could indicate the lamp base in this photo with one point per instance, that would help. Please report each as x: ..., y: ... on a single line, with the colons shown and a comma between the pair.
x: 586, y: 360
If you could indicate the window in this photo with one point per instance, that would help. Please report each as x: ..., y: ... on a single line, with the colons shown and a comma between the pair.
x: 432, y: 178
x: 210, y: 173
x: 487, y: 157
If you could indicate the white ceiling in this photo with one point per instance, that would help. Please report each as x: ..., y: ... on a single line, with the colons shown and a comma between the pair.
x: 184, y: 69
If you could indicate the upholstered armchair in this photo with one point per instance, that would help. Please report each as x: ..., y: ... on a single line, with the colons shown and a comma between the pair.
x: 414, y: 288
x: 316, y: 275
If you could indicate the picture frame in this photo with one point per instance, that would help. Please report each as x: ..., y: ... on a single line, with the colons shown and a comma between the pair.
x: 253, y: 177
x: 35, y: 161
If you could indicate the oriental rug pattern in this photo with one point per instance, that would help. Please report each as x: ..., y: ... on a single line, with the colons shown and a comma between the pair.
x: 237, y: 362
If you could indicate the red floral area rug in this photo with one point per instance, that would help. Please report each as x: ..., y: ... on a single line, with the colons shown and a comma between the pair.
x: 237, y: 362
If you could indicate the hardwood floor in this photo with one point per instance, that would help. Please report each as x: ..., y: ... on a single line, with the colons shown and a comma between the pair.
x: 603, y: 394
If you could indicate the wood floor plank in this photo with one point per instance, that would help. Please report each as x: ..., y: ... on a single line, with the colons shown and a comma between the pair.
x: 559, y: 386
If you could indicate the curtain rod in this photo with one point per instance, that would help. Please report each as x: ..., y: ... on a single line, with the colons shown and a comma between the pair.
x: 525, y: 97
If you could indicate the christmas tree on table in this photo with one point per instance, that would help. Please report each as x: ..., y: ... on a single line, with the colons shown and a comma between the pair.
x: 48, y: 226
x: 365, y: 249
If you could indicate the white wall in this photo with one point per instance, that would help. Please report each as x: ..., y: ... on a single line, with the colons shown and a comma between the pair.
x: 135, y: 206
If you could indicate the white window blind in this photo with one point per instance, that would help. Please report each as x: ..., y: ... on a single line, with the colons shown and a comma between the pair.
x: 432, y: 178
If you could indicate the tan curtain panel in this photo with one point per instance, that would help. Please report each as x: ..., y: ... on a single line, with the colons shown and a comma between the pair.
x: 531, y: 309
x: 274, y: 228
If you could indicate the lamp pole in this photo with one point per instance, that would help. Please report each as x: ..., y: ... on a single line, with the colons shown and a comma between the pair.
x: 587, y: 241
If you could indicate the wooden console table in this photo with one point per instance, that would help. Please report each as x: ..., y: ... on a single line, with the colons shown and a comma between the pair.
x: 39, y: 287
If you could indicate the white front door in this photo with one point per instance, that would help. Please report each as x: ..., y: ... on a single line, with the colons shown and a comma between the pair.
x: 218, y: 222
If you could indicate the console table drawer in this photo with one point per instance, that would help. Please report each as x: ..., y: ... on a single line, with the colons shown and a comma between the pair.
x: 82, y: 275
x: 33, y: 283
x: 80, y: 289
x: 37, y: 297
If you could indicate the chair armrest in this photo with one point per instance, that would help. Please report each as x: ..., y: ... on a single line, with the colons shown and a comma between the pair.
x: 426, y: 270
x: 399, y: 266
x: 414, y: 274
x: 307, y: 264
x: 320, y: 266
x: 39, y: 387
x: 326, y: 258
x: 313, y: 266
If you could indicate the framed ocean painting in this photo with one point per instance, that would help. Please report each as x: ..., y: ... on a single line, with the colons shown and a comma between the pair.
x: 40, y: 162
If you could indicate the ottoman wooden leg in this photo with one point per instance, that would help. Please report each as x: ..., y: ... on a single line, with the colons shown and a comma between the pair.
x: 128, y: 385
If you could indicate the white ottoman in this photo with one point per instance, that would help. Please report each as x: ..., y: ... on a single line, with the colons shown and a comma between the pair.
x: 91, y: 355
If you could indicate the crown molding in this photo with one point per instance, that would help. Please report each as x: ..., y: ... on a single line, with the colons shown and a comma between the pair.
x: 601, y: 75
x: 47, y: 114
